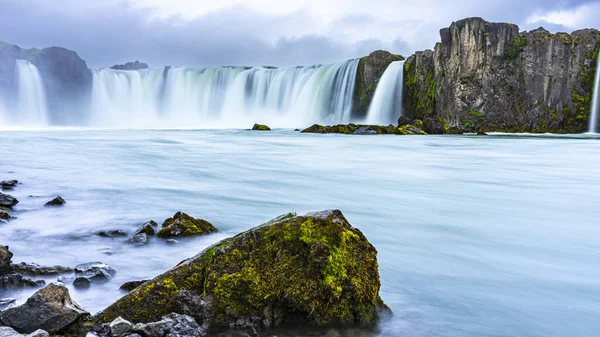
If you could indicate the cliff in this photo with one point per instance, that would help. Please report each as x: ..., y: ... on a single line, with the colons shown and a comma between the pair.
x: 486, y: 76
x: 67, y: 80
x: 370, y: 69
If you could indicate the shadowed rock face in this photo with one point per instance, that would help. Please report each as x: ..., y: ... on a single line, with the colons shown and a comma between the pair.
x: 488, y: 76
x: 370, y: 70
x: 314, y: 269
x: 137, y: 65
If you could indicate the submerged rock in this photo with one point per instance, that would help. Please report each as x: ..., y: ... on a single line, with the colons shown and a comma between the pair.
x: 314, y: 269
x: 58, y: 201
x: 112, y: 233
x: 7, y: 200
x: 82, y: 282
x: 139, y: 239
x: 261, y: 127
x: 50, y: 309
x: 182, y: 224
x: 38, y: 270
x: 129, y: 286
x: 149, y: 228
x: 95, y: 270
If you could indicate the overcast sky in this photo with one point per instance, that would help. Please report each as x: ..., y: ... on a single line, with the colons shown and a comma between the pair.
x: 262, y: 32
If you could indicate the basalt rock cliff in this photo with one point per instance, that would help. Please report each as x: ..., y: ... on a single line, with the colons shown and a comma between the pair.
x: 486, y: 76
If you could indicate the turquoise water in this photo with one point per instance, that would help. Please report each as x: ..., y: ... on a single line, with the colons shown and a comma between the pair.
x: 477, y: 236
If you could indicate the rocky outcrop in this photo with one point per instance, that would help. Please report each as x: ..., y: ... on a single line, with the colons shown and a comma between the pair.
x: 369, y: 72
x: 260, y: 127
x: 260, y: 278
x: 357, y: 129
x: 67, y: 80
x: 486, y: 76
x: 137, y: 65
x: 50, y: 309
x: 184, y: 225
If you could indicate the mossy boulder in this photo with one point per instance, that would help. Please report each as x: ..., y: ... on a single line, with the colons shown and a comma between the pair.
x: 357, y: 129
x: 182, y: 224
x: 261, y: 127
x: 314, y: 270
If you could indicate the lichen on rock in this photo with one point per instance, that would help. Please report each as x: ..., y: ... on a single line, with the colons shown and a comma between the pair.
x: 314, y: 269
x: 182, y: 224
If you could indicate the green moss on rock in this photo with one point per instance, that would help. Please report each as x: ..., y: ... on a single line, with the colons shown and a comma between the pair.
x: 260, y: 127
x: 315, y: 269
x: 182, y: 224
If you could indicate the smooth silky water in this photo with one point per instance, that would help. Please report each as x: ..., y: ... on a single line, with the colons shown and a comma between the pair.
x: 477, y: 236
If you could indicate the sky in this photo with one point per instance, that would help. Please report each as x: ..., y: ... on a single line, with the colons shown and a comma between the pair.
x: 205, y: 33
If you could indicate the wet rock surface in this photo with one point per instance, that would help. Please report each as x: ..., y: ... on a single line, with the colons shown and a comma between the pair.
x: 149, y: 228
x: 95, y: 270
x: 115, y: 233
x: 50, y: 309
x: 8, y: 184
x: 39, y: 270
x: 139, y: 239
x: 183, y: 225
x: 8, y: 201
x: 58, y: 201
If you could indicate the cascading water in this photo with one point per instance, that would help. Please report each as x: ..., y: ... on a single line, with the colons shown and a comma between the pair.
x: 386, y: 105
x: 595, y: 98
x: 223, y: 97
x: 31, y: 106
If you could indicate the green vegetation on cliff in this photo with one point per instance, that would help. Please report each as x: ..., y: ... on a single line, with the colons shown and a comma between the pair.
x: 419, y: 98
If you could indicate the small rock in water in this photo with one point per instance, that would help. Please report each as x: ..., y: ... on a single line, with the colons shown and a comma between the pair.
x: 148, y: 227
x: 120, y: 327
x: 365, y: 130
x: 82, y: 282
x: 7, y: 200
x: 95, y: 270
x: 37, y: 270
x: 129, y: 286
x: 8, y: 184
x: 58, y: 201
x: 5, y: 302
x: 39, y: 333
x: 172, y: 241
x: 51, y: 309
x: 4, y: 216
x: 260, y: 127
x: 112, y: 233
x: 139, y: 239
x: 182, y: 224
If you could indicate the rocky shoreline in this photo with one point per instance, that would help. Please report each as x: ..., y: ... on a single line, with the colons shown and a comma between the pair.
x: 312, y: 271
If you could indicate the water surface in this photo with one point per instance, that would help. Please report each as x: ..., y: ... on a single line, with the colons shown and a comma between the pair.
x: 477, y: 236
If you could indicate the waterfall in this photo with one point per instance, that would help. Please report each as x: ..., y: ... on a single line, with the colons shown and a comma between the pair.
x: 595, y: 108
x: 31, y: 106
x: 226, y: 97
x: 386, y: 105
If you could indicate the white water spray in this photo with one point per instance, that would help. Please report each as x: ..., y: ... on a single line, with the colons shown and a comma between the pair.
x: 386, y: 106
x: 595, y: 98
x: 227, y: 97
x: 31, y: 107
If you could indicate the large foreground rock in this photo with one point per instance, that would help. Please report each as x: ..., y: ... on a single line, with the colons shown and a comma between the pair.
x: 314, y: 269
x: 50, y: 309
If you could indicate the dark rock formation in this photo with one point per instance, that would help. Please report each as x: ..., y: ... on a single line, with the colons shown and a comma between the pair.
x: 9, y: 184
x: 491, y: 77
x: 260, y: 127
x: 182, y: 224
x: 137, y: 65
x: 15, y: 281
x: 35, y: 269
x: 352, y: 129
x: 67, y: 80
x: 4, y: 216
x: 50, y: 309
x: 58, y: 201
x: 370, y: 69
x: 139, y: 239
x: 115, y: 233
x: 5, y: 259
x: 260, y: 278
x: 7, y: 200
x: 82, y: 282
x: 129, y: 286
x: 149, y: 228
x: 435, y: 126
x: 95, y: 270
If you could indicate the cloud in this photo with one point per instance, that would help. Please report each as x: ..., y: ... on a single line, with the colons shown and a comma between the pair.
x: 581, y: 16
x: 250, y: 32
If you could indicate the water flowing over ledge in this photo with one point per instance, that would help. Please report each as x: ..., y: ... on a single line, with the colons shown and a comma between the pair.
x: 595, y: 110
x: 386, y: 105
